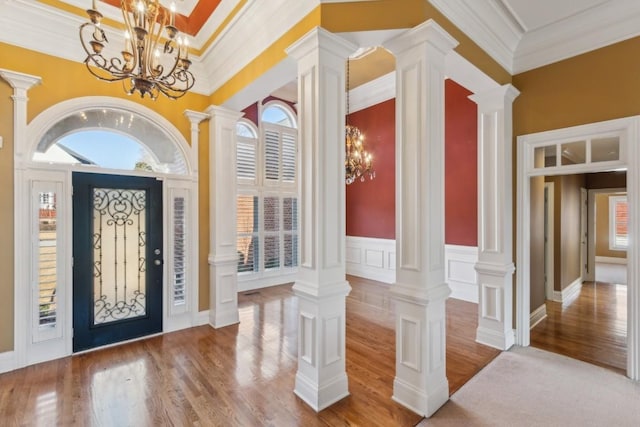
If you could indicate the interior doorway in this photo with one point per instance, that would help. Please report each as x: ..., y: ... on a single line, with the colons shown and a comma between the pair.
x: 584, y: 319
x: 598, y: 147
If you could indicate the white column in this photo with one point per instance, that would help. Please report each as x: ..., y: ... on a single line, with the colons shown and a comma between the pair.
x: 195, y: 118
x: 420, y: 290
x: 223, y: 258
x: 495, y: 209
x: 20, y: 83
x: 321, y: 286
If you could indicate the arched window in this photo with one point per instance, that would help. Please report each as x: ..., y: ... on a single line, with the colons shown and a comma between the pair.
x: 267, y: 229
x: 111, y: 139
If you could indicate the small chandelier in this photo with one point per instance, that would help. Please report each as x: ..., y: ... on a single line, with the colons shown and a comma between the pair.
x: 357, y: 161
x: 148, y: 64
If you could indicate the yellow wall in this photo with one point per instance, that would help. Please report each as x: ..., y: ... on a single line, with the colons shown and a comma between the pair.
x: 63, y: 80
x: 360, y: 16
x: 596, y: 86
x: 6, y: 218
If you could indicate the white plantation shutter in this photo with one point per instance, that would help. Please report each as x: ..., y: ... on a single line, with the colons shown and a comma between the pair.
x: 246, y: 154
x: 246, y: 160
x: 289, y: 157
x: 271, y: 155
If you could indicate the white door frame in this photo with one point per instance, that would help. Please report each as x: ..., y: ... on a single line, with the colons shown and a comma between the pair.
x: 584, y: 233
x: 629, y: 131
x: 27, y: 171
x: 549, y: 242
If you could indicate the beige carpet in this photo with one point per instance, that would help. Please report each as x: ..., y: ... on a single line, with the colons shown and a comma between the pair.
x: 531, y: 387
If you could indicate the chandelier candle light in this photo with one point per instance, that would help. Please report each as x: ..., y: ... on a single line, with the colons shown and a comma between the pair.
x: 148, y: 64
x: 357, y: 161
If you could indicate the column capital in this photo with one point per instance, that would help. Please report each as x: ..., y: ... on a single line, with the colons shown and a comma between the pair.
x: 195, y: 117
x: 496, y: 98
x: 427, y: 33
x: 19, y: 81
x: 215, y: 111
x: 319, y: 38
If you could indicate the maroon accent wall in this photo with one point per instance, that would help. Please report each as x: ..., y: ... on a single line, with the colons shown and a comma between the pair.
x: 371, y: 205
x: 461, y: 166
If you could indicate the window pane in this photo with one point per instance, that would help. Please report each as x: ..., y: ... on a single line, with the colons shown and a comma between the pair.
x: 621, y: 220
x: 290, y: 250
x: 574, y: 153
x: 605, y: 149
x: 544, y: 157
x: 247, y: 244
x: 290, y: 213
x: 244, y: 130
x: 47, y: 260
x: 179, y: 265
x: 277, y: 115
x: 271, y: 252
x: 271, y: 213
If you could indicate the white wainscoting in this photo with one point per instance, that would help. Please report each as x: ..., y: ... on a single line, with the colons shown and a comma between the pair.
x: 7, y: 361
x: 371, y: 258
x: 460, y: 273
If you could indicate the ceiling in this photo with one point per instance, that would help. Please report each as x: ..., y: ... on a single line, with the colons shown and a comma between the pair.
x: 519, y: 34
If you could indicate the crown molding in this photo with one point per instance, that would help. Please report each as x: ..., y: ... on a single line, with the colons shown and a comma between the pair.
x: 487, y: 23
x: 598, y: 27
x: 233, y: 50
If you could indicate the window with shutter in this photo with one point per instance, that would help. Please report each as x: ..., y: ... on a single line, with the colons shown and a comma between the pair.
x: 618, y: 222
x: 267, y: 211
x: 248, y: 233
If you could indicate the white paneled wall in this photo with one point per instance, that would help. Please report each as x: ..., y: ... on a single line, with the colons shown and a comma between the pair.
x: 459, y: 271
x: 375, y: 259
x: 371, y: 258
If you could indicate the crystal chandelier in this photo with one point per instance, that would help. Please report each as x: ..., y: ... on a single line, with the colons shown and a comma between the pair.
x: 148, y: 63
x: 357, y: 161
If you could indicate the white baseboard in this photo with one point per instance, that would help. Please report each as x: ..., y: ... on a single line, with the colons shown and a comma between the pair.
x: 249, y: 284
x: 7, y: 361
x: 538, y: 315
x: 569, y: 292
x: 611, y: 260
x: 371, y: 258
x: 202, y: 318
x: 460, y: 273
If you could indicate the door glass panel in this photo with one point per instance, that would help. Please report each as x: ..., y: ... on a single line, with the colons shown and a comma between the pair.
x: 119, y: 236
x: 574, y: 153
x: 47, y: 273
x: 605, y: 149
x: 179, y: 255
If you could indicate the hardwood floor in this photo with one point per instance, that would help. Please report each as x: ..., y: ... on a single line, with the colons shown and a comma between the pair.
x: 241, y: 375
x: 592, y: 327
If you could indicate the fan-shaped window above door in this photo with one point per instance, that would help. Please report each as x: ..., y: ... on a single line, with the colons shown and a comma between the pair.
x: 110, y: 139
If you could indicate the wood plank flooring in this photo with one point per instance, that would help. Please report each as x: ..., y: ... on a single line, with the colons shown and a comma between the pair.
x: 241, y: 375
x: 592, y: 327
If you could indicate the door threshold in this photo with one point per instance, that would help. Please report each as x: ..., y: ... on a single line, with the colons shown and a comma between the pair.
x: 116, y: 344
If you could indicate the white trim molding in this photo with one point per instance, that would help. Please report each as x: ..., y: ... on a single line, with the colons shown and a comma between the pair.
x: 460, y: 273
x: 7, y: 361
x: 568, y: 293
x: 371, y: 258
x: 611, y: 260
x: 537, y: 316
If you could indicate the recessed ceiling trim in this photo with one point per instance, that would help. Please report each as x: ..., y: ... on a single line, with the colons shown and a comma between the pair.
x: 593, y: 29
